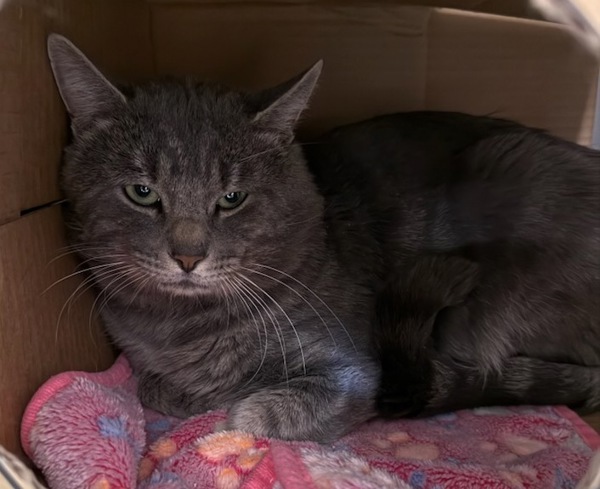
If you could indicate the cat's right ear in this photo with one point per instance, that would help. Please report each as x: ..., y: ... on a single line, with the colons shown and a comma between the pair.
x: 84, y: 90
x: 288, y: 100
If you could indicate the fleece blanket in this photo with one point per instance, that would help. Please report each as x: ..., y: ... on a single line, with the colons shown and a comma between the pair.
x: 89, y: 431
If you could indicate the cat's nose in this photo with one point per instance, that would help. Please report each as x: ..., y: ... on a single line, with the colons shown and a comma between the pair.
x: 187, y: 263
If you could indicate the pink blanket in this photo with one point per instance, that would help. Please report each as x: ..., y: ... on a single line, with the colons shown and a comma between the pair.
x: 90, y: 431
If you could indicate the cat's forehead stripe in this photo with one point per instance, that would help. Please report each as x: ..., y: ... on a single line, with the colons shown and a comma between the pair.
x: 102, y: 124
x: 174, y: 143
x: 139, y: 160
x: 165, y: 166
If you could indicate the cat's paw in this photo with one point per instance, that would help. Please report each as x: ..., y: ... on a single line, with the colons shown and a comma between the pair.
x: 253, y: 415
x: 156, y: 394
x: 294, y: 416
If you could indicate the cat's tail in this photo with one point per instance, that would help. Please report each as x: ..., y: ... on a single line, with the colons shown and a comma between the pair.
x: 522, y: 380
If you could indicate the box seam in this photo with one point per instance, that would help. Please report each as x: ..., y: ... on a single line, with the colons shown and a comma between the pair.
x: 152, y: 37
x: 596, y: 122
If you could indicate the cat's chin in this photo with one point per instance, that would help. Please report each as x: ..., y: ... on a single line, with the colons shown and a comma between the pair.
x: 190, y: 288
x: 185, y: 290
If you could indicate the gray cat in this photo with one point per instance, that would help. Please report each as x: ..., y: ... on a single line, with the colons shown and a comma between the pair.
x: 240, y: 269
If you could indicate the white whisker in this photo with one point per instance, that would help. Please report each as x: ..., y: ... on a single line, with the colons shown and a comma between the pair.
x: 317, y: 297
x: 299, y: 295
x: 130, y: 277
x: 86, y: 283
x: 235, y: 285
x: 250, y: 313
x: 93, y: 280
x: 106, y: 265
x: 284, y: 313
x: 70, y: 250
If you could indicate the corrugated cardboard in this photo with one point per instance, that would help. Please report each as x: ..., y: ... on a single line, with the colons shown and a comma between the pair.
x: 379, y: 57
x: 36, y: 341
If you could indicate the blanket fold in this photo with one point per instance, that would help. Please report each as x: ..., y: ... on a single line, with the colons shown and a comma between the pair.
x: 89, y: 430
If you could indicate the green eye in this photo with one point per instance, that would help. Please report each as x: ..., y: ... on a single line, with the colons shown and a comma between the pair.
x: 142, y: 195
x: 232, y: 200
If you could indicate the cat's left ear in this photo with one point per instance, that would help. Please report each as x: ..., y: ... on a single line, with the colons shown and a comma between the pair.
x: 291, y: 100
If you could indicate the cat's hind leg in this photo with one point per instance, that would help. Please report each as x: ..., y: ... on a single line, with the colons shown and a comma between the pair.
x: 406, y: 312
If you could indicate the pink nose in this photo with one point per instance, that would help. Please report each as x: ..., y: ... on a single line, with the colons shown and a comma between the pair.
x: 187, y: 263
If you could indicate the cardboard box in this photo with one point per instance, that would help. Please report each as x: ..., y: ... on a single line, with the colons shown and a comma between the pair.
x: 380, y: 56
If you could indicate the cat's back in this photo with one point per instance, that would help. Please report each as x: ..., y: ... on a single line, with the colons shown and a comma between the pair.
x: 397, y: 146
x: 524, y: 187
x: 450, y: 180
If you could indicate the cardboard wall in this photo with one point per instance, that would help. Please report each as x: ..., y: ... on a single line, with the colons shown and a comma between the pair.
x: 382, y: 57
x: 34, y: 344
x: 374, y: 58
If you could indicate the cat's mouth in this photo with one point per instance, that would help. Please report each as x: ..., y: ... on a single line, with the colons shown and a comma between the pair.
x: 196, y: 284
x: 200, y: 280
x: 188, y: 288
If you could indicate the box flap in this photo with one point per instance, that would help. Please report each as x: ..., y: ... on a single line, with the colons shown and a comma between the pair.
x: 529, y: 71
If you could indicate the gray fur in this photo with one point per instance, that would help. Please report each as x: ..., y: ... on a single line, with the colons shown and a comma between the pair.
x: 266, y: 325
x: 502, y: 225
x: 450, y: 249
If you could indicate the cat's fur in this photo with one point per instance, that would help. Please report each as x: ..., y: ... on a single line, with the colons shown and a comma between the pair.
x: 521, y: 208
x: 485, y: 232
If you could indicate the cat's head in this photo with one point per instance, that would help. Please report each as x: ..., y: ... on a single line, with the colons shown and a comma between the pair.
x: 180, y: 187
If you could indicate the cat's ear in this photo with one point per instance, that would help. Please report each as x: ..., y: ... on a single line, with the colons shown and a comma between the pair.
x: 288, y: 100
x: 84, y: 90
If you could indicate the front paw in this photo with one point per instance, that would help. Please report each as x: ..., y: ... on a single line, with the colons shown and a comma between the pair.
x: 157, y: 394
x: 290, y: 414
